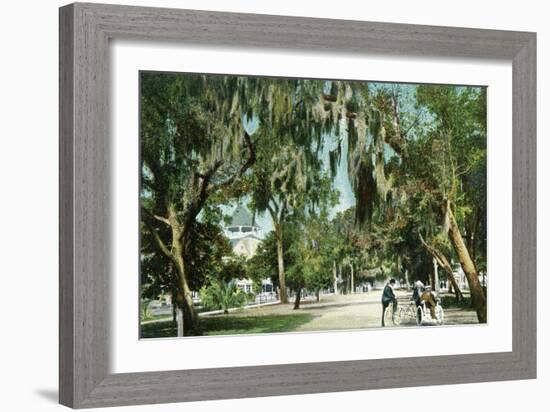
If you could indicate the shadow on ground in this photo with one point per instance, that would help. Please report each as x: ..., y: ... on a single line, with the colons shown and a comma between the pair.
x: 228, y: 325
x: 322, y: 306
x: 233, y: 325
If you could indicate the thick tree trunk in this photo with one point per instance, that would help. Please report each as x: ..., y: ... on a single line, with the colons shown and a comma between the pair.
x: 318, y: 295
x: 471, y: 234
x: 479, y: 301
x: 453, y: 287
x: 185, y: 296
x: 398, y: 267
x: 281, y: 263
x: 184, y: 302
x: 436, y: 276
x: 179, y: 321
x: 174, y: 311
x: 298, y: 298
x: 188, y: 321
x: 192, y: 326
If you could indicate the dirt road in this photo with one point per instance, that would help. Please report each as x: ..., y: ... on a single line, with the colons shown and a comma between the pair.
x: 358, y: 311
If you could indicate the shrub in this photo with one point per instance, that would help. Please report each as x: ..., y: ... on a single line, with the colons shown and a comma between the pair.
x: 220, y: 295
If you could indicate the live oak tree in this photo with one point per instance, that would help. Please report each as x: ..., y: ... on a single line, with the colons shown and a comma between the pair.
x: 373, y: 143
x: 414, y: 155
x: 312, y: 256
x: 193, y: 145
x: 349, y: 248
x: 370, y: 135
x: 210, y: 257
x: 378, y: 150
x: 458, y: 142
x: 307, y: 256
x: 319, y: 252
x: 417, y: 227
x: 288, y: 176
x: 264, y: 263
x: 287, y: 194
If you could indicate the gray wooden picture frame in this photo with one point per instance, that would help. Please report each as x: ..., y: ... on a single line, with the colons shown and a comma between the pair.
x: 85, y: 31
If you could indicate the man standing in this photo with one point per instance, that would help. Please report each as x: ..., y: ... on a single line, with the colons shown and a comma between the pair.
x: 388, y: 297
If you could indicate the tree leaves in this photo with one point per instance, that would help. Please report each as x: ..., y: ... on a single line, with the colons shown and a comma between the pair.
x: 406, y: 148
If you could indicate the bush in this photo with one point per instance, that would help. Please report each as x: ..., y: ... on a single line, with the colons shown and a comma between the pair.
x: 145, y: 311
x: 219, y: 295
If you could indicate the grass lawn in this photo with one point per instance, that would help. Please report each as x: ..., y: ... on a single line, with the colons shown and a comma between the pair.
x: 232, y: 325
x: 162, y: 329
x: 449, y: 301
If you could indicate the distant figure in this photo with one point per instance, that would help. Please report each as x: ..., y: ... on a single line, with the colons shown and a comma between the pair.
x: 388, y: 297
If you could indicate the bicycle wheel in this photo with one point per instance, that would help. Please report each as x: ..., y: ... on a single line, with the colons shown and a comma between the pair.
x: 419, y: 316
x: 388, y: 315
x: 439, y: 315
x: 398, y: 316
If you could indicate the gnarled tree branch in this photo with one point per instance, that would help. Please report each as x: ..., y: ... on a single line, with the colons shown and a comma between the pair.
x: 162, y: 246
x: 444, y: 263
x: 250, y: 160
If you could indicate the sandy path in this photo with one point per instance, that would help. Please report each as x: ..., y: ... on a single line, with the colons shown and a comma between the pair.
x: 357, y: 311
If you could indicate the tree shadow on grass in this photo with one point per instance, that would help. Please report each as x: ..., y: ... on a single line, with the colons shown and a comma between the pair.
x: 165, y: 329
x: 232, y: 325
x: 236, y: 325
x: 330, y: 306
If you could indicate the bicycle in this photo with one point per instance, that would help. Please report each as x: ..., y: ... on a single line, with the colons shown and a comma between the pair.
x: 420, y: 314
x: 389, y: 315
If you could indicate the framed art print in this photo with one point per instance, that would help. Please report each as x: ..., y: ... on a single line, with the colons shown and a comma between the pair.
x: 280, y: 205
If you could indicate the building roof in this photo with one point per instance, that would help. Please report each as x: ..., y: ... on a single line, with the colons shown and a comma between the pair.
x: 242, y: 217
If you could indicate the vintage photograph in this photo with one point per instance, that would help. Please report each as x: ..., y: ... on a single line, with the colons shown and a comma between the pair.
x: 281, y: 205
